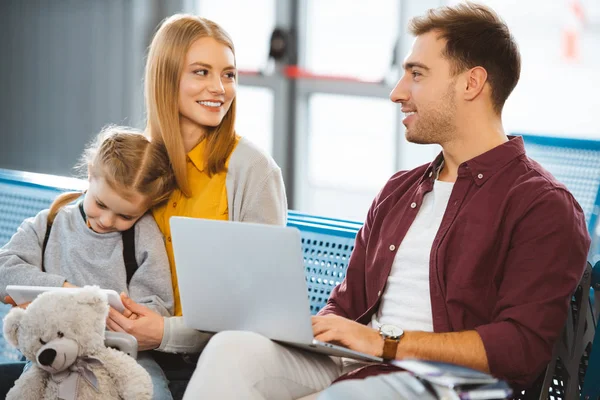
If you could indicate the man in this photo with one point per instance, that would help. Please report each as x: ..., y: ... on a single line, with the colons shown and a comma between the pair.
x: 471, y: 259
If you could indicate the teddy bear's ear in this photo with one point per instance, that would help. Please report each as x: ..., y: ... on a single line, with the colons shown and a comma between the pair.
x: 95, y: 297
x: 12, y: 321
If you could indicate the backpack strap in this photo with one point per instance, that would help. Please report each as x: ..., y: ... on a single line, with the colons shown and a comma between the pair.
x: 46, y: 237
x: 129, y: 252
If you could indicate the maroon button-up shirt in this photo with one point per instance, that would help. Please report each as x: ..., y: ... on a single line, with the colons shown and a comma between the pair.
x: 508, y: 255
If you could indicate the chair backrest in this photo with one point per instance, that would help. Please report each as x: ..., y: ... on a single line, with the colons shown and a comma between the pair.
x: 23, y: 195
x: 326, y: 249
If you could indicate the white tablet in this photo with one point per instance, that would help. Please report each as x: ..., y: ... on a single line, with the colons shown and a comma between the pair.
x: 25, y: 294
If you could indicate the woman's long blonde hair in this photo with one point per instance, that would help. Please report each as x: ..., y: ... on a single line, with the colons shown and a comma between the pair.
x: 163, y: 73
x: 129, y: 163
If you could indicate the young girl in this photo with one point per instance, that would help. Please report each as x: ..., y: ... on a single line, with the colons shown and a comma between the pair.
x: 108, y: 238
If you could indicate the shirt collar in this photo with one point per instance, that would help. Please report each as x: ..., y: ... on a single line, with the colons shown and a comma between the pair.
x: 196, y: 156
x: 434, y: 168
x: 485, y: 165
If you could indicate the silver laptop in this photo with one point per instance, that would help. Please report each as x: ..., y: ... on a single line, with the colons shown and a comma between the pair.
x: 244, y: 276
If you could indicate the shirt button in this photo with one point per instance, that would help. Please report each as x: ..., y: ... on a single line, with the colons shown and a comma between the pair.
x: 431, y: 173
x: 169, y: 239
x: 392, y: 247
x: 379, y: 293
x: 480, y: 176
x: 413, y: 205
x: 174, y: 204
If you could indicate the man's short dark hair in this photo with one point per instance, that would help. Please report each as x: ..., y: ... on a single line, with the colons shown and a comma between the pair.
x: 475, y: 36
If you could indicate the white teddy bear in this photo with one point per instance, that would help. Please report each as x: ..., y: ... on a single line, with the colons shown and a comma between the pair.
x: 63, y: 335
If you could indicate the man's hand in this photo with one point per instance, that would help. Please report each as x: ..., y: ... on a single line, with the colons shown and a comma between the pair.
x: 137, y: 320
x: 347, y: 333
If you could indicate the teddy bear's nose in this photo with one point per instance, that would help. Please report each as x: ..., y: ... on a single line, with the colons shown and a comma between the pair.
x: 47, y: 357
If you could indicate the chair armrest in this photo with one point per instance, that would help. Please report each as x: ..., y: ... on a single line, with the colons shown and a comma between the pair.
x: 123, y: 342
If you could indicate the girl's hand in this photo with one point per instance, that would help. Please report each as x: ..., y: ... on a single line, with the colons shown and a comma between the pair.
x: 147, y: 327
x: 9, y: 300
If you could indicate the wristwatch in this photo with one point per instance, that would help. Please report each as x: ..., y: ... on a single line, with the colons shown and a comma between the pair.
x: 391, y: 337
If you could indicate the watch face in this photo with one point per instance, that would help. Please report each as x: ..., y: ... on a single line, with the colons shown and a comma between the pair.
x: 391, y: 331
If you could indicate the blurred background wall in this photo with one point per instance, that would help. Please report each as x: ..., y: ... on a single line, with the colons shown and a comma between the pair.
x: 69, y: 67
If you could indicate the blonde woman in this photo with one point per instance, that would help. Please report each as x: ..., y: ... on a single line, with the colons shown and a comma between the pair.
x: 190, y: 89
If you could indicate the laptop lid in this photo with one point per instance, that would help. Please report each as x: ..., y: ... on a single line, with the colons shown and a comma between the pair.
x: 241, y: 276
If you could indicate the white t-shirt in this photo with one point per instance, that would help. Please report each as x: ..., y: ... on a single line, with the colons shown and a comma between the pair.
x: 406, y: 301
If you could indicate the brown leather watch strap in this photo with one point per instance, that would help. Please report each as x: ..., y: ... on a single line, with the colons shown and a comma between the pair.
x: 390, y: 346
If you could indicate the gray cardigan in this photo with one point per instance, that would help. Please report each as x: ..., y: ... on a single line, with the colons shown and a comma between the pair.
x: 256, y: 193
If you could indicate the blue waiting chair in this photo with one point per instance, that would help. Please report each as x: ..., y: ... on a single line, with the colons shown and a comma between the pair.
x: 23, y: 195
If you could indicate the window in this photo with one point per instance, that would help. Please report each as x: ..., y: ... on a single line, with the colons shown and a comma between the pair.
x: 249, y: 23
x: 254, y: 115
x: 351, y: 40
x: 559, y: 44
x: 350, y: 153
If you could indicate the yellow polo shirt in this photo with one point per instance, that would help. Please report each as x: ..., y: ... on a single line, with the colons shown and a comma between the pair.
x: 208, y: 200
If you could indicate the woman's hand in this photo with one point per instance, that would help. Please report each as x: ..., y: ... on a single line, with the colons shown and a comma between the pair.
x: 147, y: 327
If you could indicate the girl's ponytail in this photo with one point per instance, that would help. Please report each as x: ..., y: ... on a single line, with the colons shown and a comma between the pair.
x: 62, y: 200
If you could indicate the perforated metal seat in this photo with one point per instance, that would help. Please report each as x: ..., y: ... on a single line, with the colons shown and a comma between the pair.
x: 23, y: 195
x: 326, y: 251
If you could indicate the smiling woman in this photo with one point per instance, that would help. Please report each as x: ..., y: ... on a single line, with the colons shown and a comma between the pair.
x: 207, y: 87
x: 191, y: 60
x: 190, y: 90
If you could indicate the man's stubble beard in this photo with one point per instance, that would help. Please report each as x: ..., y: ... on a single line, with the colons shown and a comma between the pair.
x: 435, y: 127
